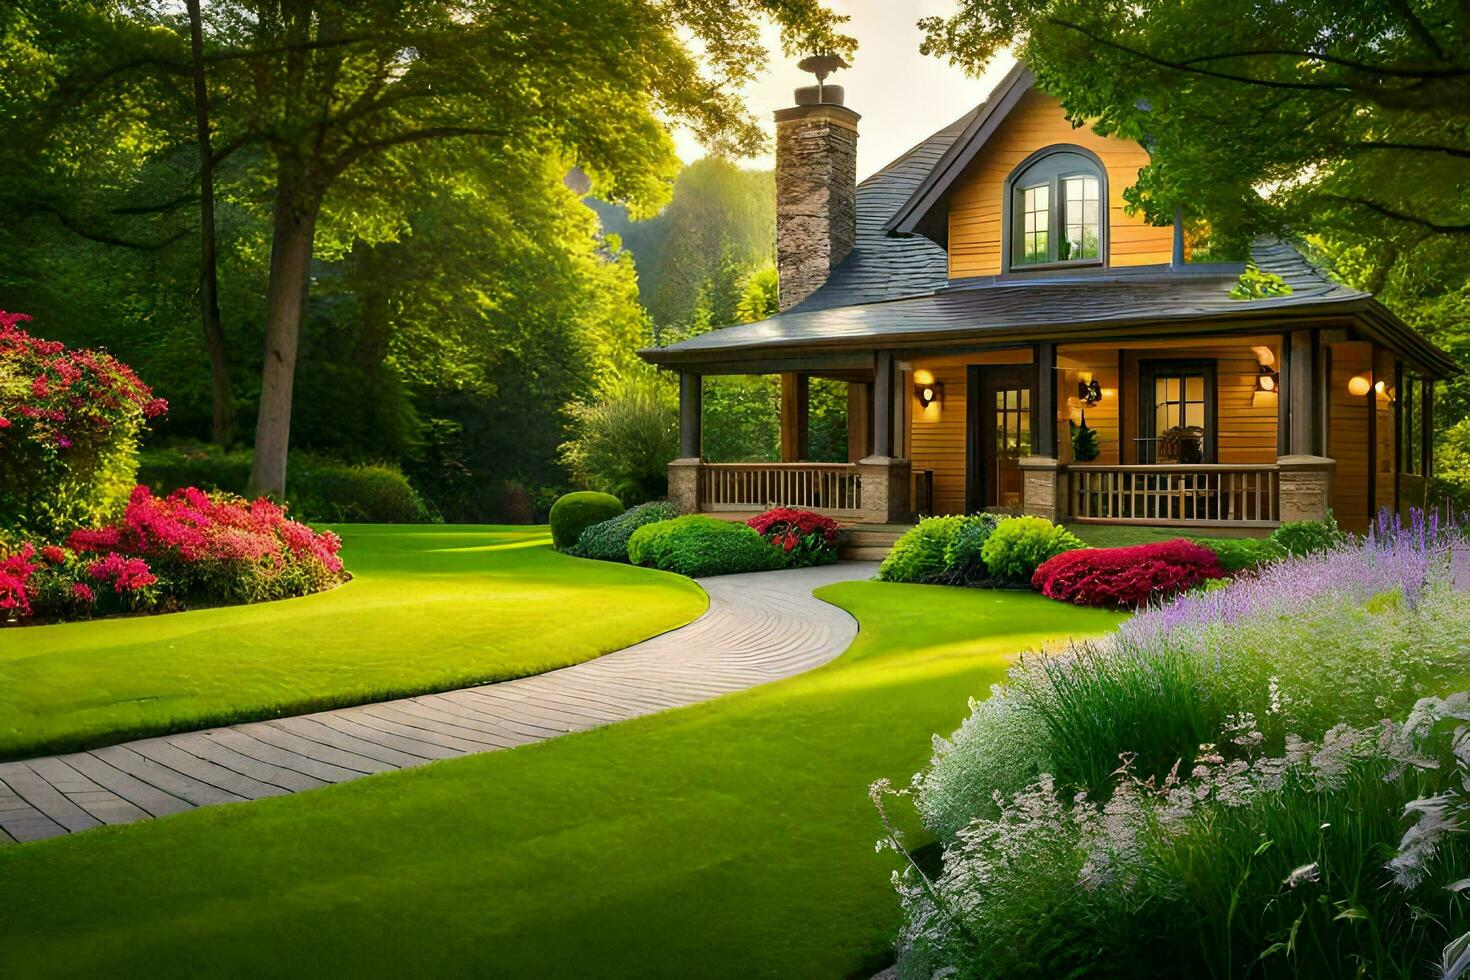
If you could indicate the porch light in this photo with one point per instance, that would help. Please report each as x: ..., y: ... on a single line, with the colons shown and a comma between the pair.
x: 1359, y: 386
x: 1267, y: 379
x: 1089, y: 392
x: 928, y: 392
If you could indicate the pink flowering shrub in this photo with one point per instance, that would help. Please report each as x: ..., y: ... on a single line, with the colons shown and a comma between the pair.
x: 185, y: 550
x: 806, y: 537
x: 69, y: 421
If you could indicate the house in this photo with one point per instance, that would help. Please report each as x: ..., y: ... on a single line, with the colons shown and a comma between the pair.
x: 987, y: 292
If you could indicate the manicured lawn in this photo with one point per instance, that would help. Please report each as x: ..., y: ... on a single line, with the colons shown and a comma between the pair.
x: 429, y: 608
x: 733, y: 838
x: 1124, y: 535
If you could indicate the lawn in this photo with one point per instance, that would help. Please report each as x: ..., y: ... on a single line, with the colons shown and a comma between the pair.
x: 732, y: 838
x: 429, y: 608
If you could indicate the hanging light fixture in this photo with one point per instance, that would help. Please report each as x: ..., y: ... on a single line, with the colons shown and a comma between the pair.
x: 1358, y: 386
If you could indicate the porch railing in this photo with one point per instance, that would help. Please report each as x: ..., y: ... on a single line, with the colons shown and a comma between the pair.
x: 833, y: 488
x: 1201, y: 494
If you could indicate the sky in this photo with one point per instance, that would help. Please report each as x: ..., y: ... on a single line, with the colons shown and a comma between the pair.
x: 902, y: 96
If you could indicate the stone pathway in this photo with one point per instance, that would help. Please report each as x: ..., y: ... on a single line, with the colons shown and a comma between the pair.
x: 759, y: 627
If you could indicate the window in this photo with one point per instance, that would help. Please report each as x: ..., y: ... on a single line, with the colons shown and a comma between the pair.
x: 1055, y: 212
x: 1177, y: 412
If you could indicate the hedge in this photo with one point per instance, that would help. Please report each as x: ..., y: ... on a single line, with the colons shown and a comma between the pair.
x: 697, y: 546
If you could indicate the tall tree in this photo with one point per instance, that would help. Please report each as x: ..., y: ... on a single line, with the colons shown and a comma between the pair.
x: 223, y: 422
x: 335, y: 90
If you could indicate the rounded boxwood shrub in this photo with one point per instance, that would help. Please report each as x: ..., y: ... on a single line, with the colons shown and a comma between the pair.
x: 964, y: 561
x: 1018, y: 546
x: 696, y: 545
x: 1242, y: 554
x: 1309, y: 537
x: 1126, y: 578
x: 574, y: 513
x: 919, y: 556
x: 608, y: 540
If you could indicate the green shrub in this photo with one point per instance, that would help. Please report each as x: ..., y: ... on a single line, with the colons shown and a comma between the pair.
x: 624, y: 440
x: 1018, y: 545
x: 919, y: 556
x: 574, y: 513
x: 964, y: 562
x: 1309, y: 537
x: 696, y: 545
x: 608, y: 540
x: 1242, y: 554
x: 318, y: 488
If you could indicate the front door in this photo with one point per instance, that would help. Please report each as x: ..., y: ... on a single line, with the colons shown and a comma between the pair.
x: 1000, y: 433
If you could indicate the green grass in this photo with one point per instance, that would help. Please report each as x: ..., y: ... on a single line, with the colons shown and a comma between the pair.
x: 1124, y: 535
x: 732, y: 838
x: 429, y: 608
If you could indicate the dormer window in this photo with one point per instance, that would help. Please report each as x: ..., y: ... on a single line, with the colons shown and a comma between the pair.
x: 1055, y: 211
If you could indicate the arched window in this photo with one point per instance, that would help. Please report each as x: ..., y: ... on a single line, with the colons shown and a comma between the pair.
x: 1057, y: 209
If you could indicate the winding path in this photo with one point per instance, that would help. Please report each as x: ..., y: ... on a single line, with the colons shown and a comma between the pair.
x: 758, y: 628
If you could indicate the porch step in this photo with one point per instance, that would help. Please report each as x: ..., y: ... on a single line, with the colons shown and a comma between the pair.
x: 868, y: 542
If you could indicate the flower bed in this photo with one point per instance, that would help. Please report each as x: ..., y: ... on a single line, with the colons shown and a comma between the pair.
x: 806, y: 538
x: 1260, y: 774
x: 1126, y: 578
x: 186, y: 550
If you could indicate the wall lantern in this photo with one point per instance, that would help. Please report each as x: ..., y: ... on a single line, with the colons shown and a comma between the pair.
x: 929, y: 392
x: 1359, y: 386
x: 1267, y: 380
x: 1089, y: 392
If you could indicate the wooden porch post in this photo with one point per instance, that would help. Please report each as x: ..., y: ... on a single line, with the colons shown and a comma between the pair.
x: 1427, y: 431
x: 1044, y: 401
x: 1299, y: 400
x: 859, y: 420
x: 691, y: 415
x: 883, y: 405
x: 795, y: 415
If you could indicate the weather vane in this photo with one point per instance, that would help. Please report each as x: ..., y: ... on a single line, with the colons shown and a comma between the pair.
x: 821, y: 65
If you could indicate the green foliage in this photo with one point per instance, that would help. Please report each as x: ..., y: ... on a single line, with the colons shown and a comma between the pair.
x: 574, y: 513
x: 608, y: 540
x: 1308, y: 537
x: 758, y: 299
x: 742, y: 418
x: 696, y: 546
x: 964, y: 559
x: 920, y: 555
x: 1085, y: 446
x: 318, y: 488
x: 1255, y: 284
x: 1019, y: 544
x: 625, y: 438
x: 1242, y: 554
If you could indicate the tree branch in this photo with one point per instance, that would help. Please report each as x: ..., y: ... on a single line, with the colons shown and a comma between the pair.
x: 359, y: 150
x: 1457, y: 152
x: 1388, y: 212
x: 161, y: 208
x: 1420, y: 73
x: 92, y: 235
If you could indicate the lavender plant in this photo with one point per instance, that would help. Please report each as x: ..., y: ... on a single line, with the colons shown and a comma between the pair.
x: 1214, y: 791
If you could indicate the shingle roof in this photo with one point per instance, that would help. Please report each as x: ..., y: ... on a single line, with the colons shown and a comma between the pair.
x: 881, y: 267
x: 892, y: 289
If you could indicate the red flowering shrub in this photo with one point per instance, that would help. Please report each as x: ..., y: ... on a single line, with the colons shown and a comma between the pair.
x: 69, y: 421
x: 187, y: 549
x: 807, y: 538
x: 1126, y: 578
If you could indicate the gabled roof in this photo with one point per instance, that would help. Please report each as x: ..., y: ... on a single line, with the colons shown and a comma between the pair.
x: 921, y: 214
x: 893, y: 288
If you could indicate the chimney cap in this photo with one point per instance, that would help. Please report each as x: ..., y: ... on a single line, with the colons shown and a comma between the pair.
x: 821, y: 65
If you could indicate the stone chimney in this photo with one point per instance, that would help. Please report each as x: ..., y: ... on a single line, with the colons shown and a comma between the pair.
x: 816, y: 184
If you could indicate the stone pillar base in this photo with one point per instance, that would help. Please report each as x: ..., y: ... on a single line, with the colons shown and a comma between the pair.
x: 1305, y: 488
x: 885, y: 490
x: 1043, y: 488
x: 684, y: 484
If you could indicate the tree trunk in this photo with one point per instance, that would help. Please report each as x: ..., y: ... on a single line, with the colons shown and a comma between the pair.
x: 223, y: 429
x: 291, y: 242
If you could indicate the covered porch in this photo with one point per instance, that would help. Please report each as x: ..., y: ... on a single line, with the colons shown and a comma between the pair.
x: 1223, y: 432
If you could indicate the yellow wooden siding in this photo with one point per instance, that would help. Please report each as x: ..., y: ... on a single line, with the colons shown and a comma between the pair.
x: 936, y: 437
x: 1347, y: 434
x: 1073, y: 365
x: 1037, y: 121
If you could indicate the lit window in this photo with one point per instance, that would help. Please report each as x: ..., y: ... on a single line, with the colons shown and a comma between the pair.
x: 1080, y: 214
x: 1036, y: 213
